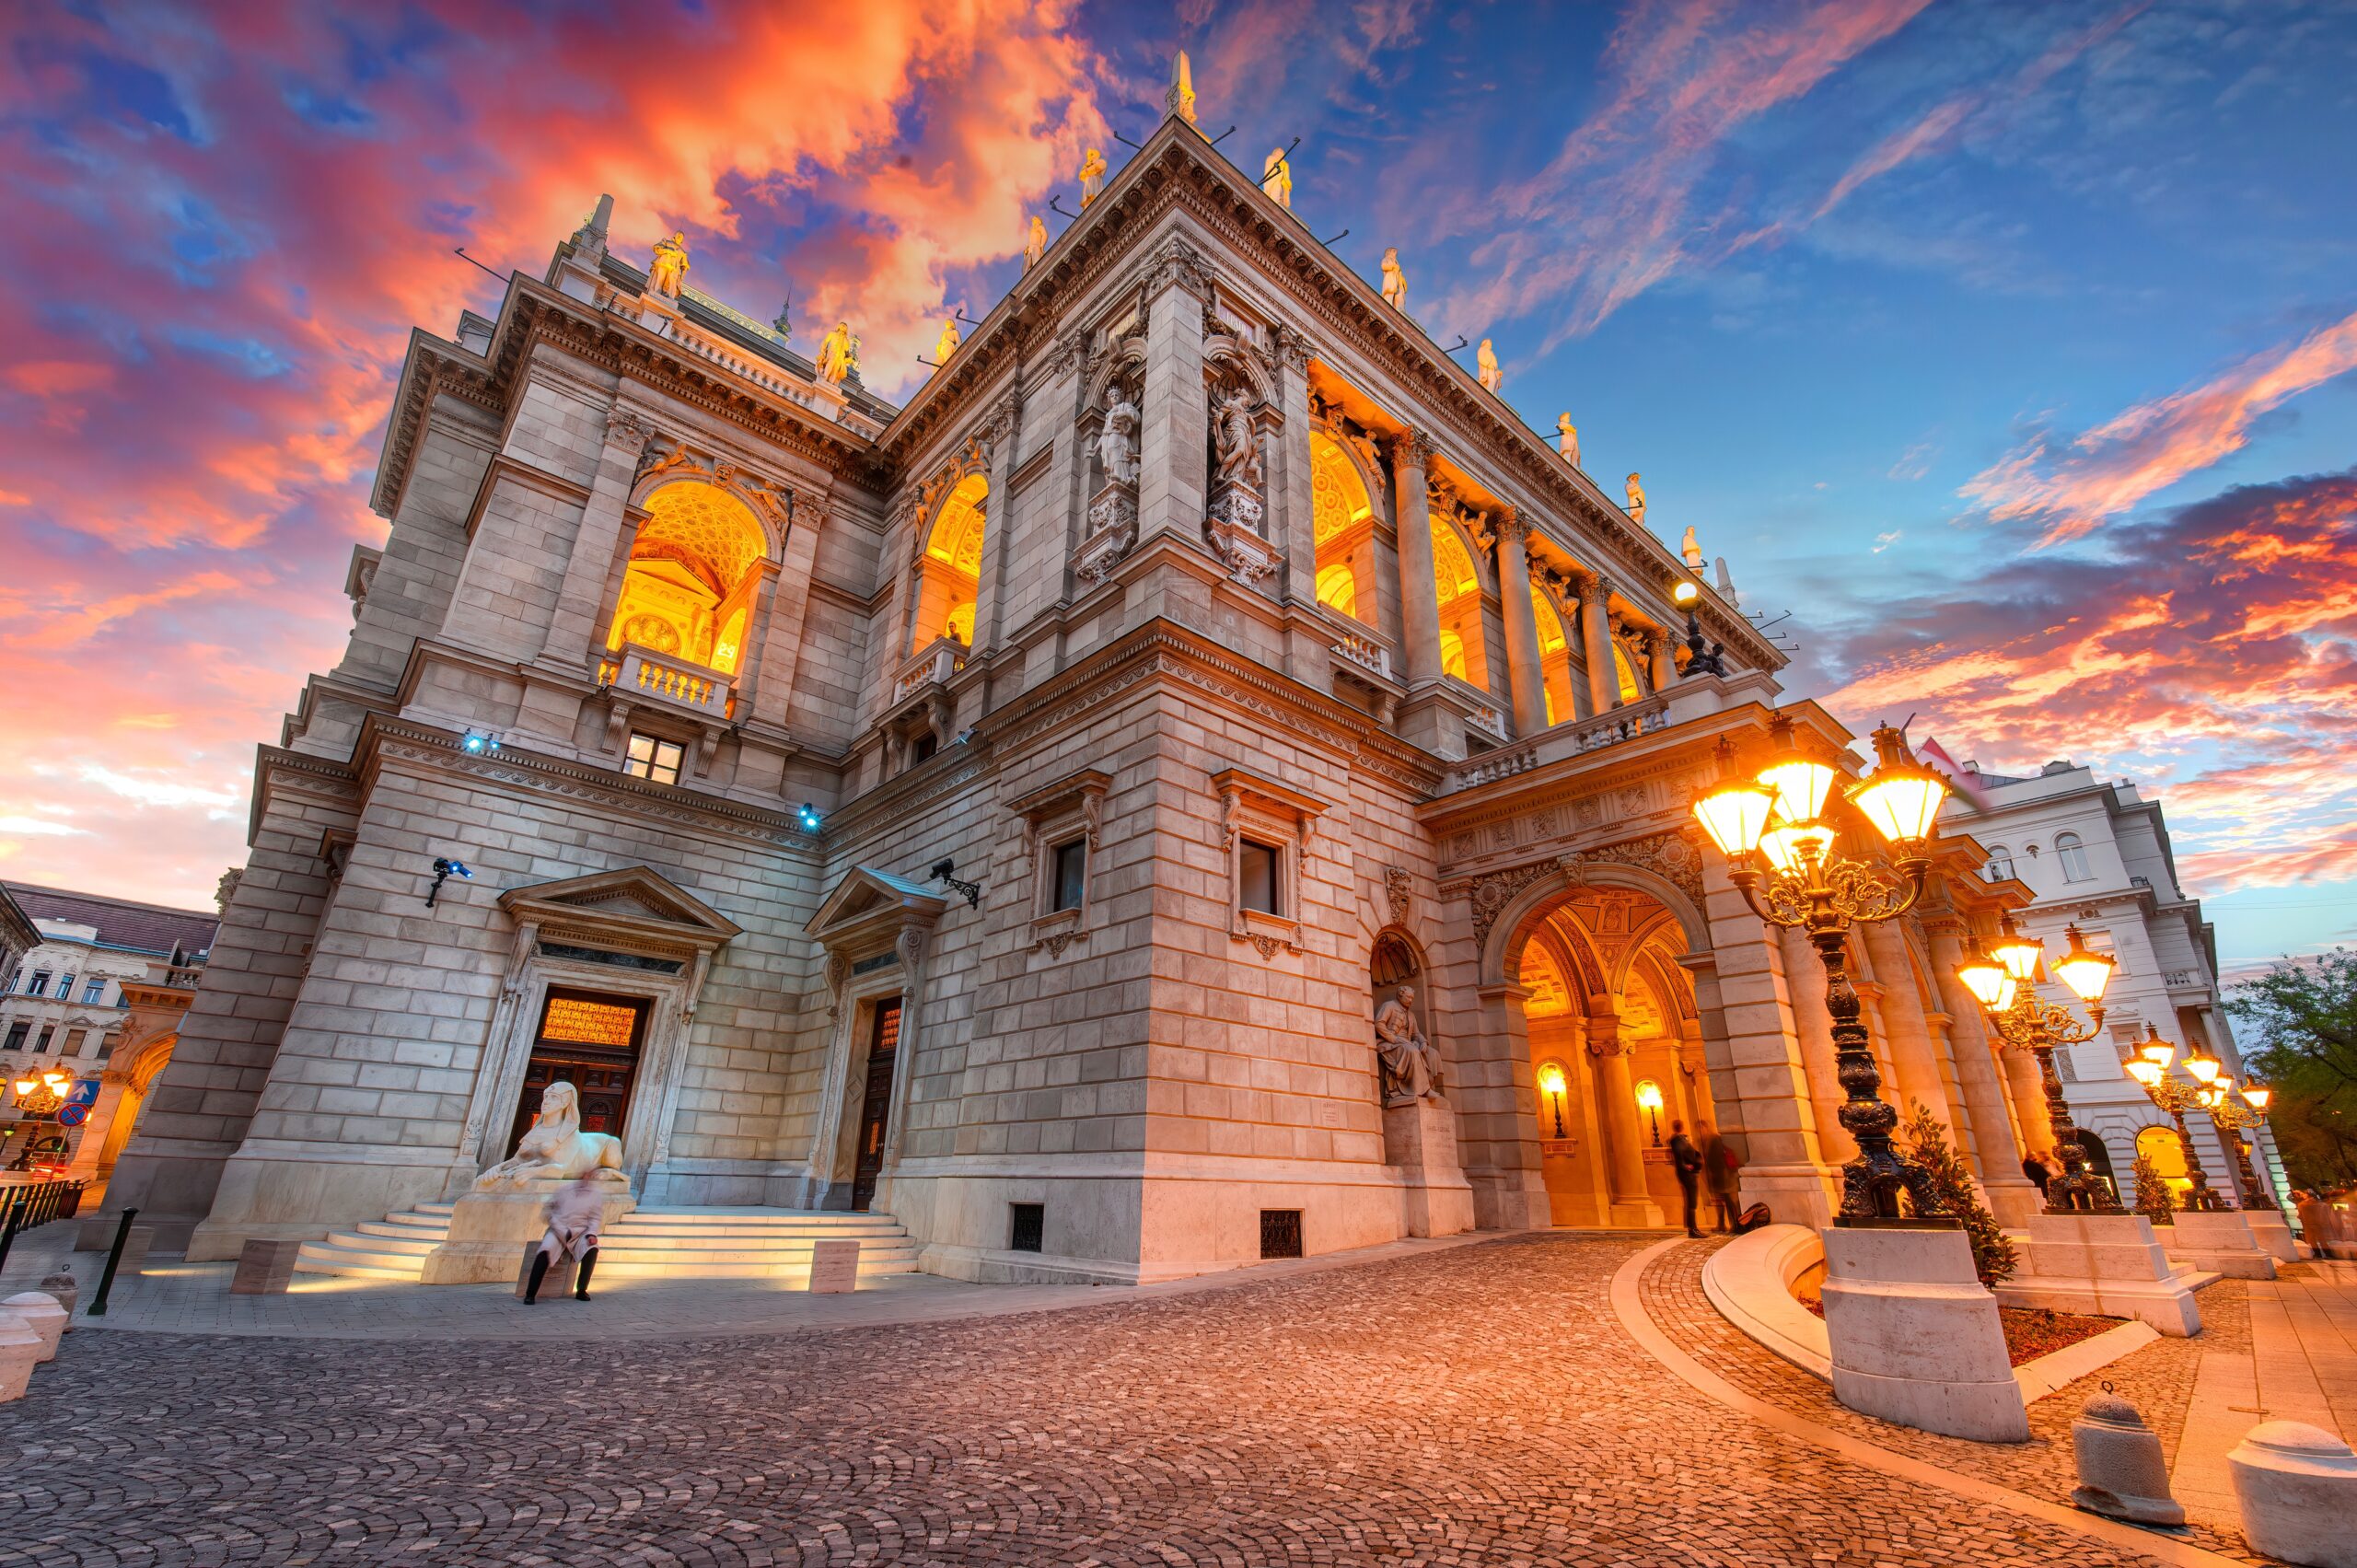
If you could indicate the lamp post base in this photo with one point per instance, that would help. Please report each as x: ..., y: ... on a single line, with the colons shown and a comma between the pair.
x: 2222, y: 1241
x: 1915, y: 1339
x: 2110, y: 1265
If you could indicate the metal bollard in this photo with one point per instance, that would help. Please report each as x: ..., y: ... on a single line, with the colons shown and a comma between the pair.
x: 115, y: 1259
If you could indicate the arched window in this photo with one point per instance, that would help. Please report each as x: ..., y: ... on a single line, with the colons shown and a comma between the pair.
x: 1344, y: 517
x: 949, y: 572
x: 2001, y: 864
x: 693, y: 577
x: 1464, y: 650
x: 1555, y: 646
x: 2072, y: 854
x: 1626, y: 673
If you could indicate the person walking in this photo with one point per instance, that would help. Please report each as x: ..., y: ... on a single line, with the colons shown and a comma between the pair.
x: 574, y: 1212
x: 1721, y: 1165
x: 1687, y: 1161
x: 2037, y: 1171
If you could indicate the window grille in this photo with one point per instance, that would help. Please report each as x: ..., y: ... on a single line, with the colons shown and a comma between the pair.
x: 1280, y: 1233
x: 1030, y: 1226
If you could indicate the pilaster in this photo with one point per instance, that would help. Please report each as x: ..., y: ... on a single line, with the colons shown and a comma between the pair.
x: 1175, y: 435
x: 601, y: 547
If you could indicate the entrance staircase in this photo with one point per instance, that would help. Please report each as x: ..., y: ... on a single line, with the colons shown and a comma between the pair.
x: 703, y: 1244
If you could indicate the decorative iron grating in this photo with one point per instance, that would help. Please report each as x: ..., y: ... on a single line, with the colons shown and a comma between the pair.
x: 1280, y: 1233
x: 1030, y: 1229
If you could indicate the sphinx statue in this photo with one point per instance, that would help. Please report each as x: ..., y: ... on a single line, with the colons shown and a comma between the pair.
x: 668, y: 269
x: 554, y: 1148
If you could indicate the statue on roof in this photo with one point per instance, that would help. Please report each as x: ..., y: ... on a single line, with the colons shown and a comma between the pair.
x: 1395, y: 281
x: 1491, y: 377
x: 1691, y: 548
x: 1276, y: 178
x: 838, y: 355
x: 1180, y: 100
x: 668, y: 269
x: 1092, y: 176
x: 1567, y: 438
x: 1636, y: 499
x: 1035, y: 244
x: 948, y: 342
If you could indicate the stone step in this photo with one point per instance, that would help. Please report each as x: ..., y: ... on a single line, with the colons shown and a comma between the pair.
x: 352, y: 1255
x: 616, y: 1251
x: 416, y: 1221
x: 697, y: 1234
x: 429, y: 1234
x: 821, y: 1219
x: 720, y: 1243
x: 788, y: 1272
x: 385, y: 1238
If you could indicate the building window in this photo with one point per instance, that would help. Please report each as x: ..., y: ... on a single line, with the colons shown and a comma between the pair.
x: 1028, y: 1229
x: 1256, y: 877
x: 66, y: 988
x: 927, y: 745
x: 41, y: 1041
x: 1059, y: 828
x: 656, y: 761
x: 16, y: 1033
x: 2072, y: 854
x: 2001, y: 864
x: 1070, y: 875
x: 1267, y: 828
x: 1280, y: 1233
x: 94, y: 991
x: 38, y: 985
x: 107, y: 1044
x: 73, y: 1039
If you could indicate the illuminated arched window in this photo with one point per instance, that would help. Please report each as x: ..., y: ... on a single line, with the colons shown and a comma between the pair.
x: 2160, y: 1146
x: 1464, y: 652
x: 694, y: 575
x: 1627, y: 673
x: 1555, y: 659
x: 949, y: 572
x: 1344, y: 517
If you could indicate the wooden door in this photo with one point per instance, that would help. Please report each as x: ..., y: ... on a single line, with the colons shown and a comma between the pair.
x: 876, y: 1102
x: 590, y: 1041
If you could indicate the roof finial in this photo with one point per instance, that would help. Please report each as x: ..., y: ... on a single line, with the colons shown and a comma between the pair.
x: 1180, y: 100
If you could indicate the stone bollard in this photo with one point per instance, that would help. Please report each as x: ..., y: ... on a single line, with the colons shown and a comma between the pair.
x: 64, y: 1287
x: 2296, y: 1485
x: 19, y: 1349
x: 2122, y: 1472
x: 41, y: 1314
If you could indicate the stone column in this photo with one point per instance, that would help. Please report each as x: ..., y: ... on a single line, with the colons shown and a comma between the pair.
x: 1174, y: 477
x: 603, y: 538
x: 1818, y: 1060
x: 1497, y: 1108
x: 1522, y: 626
x: 1658, y: 645
x: 749, y: 656
x: 990, y: 588
x: 1631, y: 1203
x: 1293, y: 509
x: 1596, y: 641
x: 1757, y: 1083
x: 2012, y: 1195
x: 1916, y: 1063
x: 99, y: 1132
x: 1418, y: 594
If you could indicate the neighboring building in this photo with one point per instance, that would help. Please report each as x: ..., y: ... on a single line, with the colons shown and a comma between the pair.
x: 80, y: 1000
x: 2098, y: 855
x: 18, y: 936
x: 1016, y: 810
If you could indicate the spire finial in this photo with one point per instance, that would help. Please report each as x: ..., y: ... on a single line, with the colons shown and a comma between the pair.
x: 1180, y: 100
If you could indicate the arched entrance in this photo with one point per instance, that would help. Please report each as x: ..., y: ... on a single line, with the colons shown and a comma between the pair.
x: 693, y: 584
x: 1615, y: 1047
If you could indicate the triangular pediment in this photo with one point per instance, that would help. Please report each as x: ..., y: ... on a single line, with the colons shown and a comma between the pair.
x: 633, y: 899
x: 866, y: 897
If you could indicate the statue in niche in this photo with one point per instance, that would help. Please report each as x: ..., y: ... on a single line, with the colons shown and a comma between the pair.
x: 1395, y: 281
x: 1491, y: 377
x: 946, y: 344
x: 1636, y: 499
x: 1411, y: 1068
x: 1035, y: 244
x: 1691, y: 548
x: 1567, y: 438
x: 1276, y: 178
x: 838, y: 355
x: 1092, y: 178
x: 1117, y: 443
x: 668, y: 270
x: 555, y: 1149
x: 1237, y: 443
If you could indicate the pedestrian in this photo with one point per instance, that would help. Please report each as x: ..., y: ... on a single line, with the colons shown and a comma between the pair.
x: 2037, y: 1171
x: 1720, y: 1165
x: 1687, y: 1160
x: 573, y: 1212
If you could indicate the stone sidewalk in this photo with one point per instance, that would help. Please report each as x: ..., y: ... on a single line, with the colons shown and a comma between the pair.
x: 2296, y: 1362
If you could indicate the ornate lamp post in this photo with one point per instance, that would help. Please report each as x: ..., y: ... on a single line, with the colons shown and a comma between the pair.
x: 2149, y: 1067
x: 1551, y: 1084
x: 40, y: 1097
x: 2230, y: 1112
x: 1700, y: 660
x: 1781, y: 817
x: 2002, y: 979
x: 1649, y: 1096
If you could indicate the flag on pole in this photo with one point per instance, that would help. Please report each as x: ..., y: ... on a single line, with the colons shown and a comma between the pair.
x: 1966, y: 782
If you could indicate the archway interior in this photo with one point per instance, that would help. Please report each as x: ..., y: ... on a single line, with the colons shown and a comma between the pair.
x: 693, y: 576
x: 1344, y: 517
x: 1464, y: 639
x: 949, y: 570
x: 1608, y: 1007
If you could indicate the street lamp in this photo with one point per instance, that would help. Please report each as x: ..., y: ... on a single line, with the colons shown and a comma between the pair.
x: 2001, y: 981
x: 1552, y: 1084
x: 2149, y: 1067
x: 1699, y: 660
x: 1780, y: 816
x: 2231, y: 1112
x: 1649, y: 1096
x: 38, y: 1097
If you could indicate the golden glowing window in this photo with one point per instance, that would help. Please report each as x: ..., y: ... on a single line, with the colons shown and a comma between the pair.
x: 1342, y: 516
x: 949, y: 571
x: 579, y: 1021
x: 1338, y: 589
x: 1629, y: 690
x: 694, y: 573
x: 1463, y: 653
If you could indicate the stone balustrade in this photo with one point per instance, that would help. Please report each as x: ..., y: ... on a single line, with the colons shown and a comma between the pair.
x: 1367, y: 653
x: 644, y: 674
x: 944, y: 658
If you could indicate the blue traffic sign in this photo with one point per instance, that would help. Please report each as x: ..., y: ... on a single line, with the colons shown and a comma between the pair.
x: 73, y: 1115
x: 85, y: 1092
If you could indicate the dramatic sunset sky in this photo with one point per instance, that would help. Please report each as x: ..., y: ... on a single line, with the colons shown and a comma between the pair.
x: 2006, y: 345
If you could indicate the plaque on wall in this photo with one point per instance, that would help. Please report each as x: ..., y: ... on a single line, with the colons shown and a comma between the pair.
x: 1557, y: 1148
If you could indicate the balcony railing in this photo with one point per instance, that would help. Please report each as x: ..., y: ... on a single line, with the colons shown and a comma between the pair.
x: 945, y: 657
x: 642, y: 674
x: 1485, y: 715
x: 1641, y: 717
x: 1367, y: 653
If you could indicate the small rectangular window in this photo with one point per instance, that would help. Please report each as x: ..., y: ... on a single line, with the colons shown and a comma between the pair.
x: 66, y: 988
x: 927, y: 744
x: 73, y: 1046
x: 94, y: 992
x: 1280, y: 1233
x: 106, y: 1046
x: 1256, y: 874
x: 1030, y: 1226
x: 40, y: 983
x: 16, y: 1033
x: 1072, y: 874
x: 654, y: 760
x: 41, y: 1041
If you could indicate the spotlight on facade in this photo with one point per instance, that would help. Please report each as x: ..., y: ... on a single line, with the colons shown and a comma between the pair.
x: 444, y: 869
x: 477, y: 744
x: 809, y: 816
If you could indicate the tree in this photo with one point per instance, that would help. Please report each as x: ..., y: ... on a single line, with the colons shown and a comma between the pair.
x: 2303, y: 1017
x: 1992, y: 1252
x: 2154, y: 1199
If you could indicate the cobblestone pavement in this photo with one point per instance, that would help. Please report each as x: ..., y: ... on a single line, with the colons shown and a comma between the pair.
x: 1479, y: 1404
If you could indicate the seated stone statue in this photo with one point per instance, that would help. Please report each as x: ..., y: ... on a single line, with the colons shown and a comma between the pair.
x: 1411, y: 1067
x: 555, y: 1149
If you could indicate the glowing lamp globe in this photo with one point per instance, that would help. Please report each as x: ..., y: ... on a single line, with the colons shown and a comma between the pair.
x: 2204, y: 1067
x: 2155, y: 1049
x: 2145, y: 1070
x: 1734, y: 815
x: 1649, y: 1095
x: 24, y: 1085
x: 1551, y: 1079
x: 1791, y: 850
x: 1984, y: 977
x: 2018, y: 953
x: 1685, y: 595
x: 2007, y: 994
x: 2084, y: 972
x: 1801, y: 787
x: 2258, y: 1094
x: 1902, y: 801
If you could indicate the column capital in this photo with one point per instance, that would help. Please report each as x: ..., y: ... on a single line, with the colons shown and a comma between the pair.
x: 1594, y: 588
x: 1507, y: 524
x: 1411, y: 447
x: 1293, y: 347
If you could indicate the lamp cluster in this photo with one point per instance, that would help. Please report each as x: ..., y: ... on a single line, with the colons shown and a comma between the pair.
x: 38, y: 1094
x: 2004, y: 979
x: 2206, y: 1086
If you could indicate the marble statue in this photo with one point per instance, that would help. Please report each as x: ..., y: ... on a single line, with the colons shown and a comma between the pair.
x: 1116, y: 443
x: 1395, y: 282
x: 1491, y: 377
x: 1691, y: 548
x: 838, y: 355
x: 1276, y: 178
x: 1036, y: 245
x: 1568, y: 441
x: 1636, y: 499
x: 668, y: 270
x: 1410, y: 1066
x: 555, y: 1149
x: 946, y: 344
x: 1237, y: 443
x: 1092, y: 176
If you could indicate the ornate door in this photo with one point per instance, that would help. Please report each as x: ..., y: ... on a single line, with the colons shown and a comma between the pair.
x: 590, y: 1041
x: 875, y: 1103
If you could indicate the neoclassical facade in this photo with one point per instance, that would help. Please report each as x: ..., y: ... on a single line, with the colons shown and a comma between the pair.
x: 1017, y: 810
